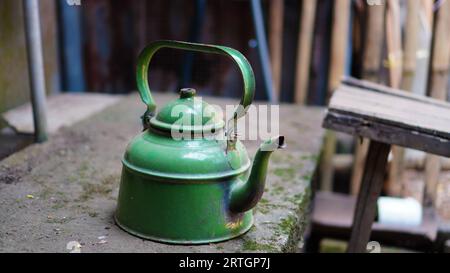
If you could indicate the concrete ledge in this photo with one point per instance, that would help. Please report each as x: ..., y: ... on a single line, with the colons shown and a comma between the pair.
x: 63, y: 109
x: 65, y: 189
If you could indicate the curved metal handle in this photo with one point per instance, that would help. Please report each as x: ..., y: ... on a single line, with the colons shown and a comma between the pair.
x: 148, y: 52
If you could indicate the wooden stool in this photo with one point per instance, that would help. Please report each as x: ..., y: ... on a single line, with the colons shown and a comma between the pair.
x: 385, y: 116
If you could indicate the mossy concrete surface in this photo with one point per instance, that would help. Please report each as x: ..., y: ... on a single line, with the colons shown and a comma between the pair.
x: 66, y: 189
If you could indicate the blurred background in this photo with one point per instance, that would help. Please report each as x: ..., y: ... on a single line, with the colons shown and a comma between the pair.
x: 93, y: 47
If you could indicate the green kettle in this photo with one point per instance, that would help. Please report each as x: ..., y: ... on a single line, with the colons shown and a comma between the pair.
x: 190, y: 190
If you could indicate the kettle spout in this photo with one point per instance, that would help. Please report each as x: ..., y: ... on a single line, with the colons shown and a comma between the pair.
x: 245, y: 195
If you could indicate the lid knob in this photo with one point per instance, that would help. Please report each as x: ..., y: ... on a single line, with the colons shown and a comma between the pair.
x: 187, y: 93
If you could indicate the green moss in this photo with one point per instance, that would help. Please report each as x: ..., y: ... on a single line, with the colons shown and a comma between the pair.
x: 287, y: 224
x: 265, y: 207
x: 72, y: 178
x: 89, y: 190
x: 281, y: 158
x: 83, y: 169
x: 307, y: 177
x: 332, y: 246
x: 296, y: 199
x: 46, y: 192
x: 278, y: 190
x: 285, y: 173
x: 92, y: 214
x: 59, y: 220
x: 104, y: 188
x: 59, y: 204
x: 310, y: 157
x: 250, y: 245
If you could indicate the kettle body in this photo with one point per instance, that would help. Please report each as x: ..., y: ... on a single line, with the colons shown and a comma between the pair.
x: 188, y: 208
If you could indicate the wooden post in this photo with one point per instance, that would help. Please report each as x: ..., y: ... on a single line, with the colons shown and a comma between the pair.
x: 371, y: 185
x: 339, y: 36
x: 305, y: 42
x: 437, y: 86
x: 395, y: 61
x: 276, y: 42
x: 371, y: 69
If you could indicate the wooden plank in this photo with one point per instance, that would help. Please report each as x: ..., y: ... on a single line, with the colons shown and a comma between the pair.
x: 305, y: 41
x: 386, y: 116
x: 387, y: 133
x: 373, y: 49
x: 371, y: 185
x: 276, y: 42
x: 437, y: 85
x: 391, y: 91
x: 391, y: 116
x: 393, y: 109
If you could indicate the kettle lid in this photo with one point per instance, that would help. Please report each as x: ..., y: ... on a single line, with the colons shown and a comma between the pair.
x: 188, y: 113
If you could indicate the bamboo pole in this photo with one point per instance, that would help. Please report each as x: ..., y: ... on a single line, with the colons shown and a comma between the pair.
x: 427, y: 6
x: 373, y: 45
x: 395, y: 63
x: 276, y: 42
x: 339, y: 38
x: 410, y: 43
x: 437, y: 86
x: 395, y: 181
x: 394, y: 43
x: 305, y: 42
